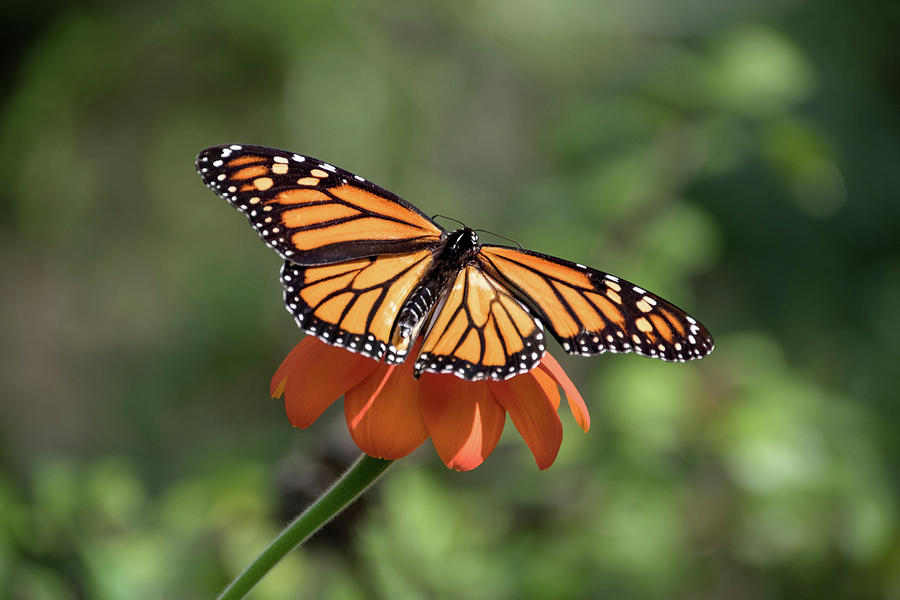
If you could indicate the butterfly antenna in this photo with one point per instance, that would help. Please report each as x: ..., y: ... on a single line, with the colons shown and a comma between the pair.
x: 503, y: 237
x: 449, y: 219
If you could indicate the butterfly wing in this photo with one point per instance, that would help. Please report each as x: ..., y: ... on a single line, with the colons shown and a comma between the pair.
x: 591, y: 312
x: 355, y: 304
x: 481, y: 331
x: 311, y: 212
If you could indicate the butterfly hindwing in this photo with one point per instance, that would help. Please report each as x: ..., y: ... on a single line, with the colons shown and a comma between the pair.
x: 355, y: 304
x: 591, y: 312
x: 311, y: 212
x: 481, y: 331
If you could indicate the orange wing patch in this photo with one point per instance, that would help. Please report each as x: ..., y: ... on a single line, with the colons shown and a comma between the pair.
x: 353, y: 304
x: 249, y: 173
x: 592, y: 312
x: 481, y: 331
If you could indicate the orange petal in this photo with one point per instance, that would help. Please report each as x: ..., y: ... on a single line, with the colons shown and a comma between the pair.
x: 383, y: 412
x: 548, y: 384
x: 579, y: 409
x: 533, y: 415
x: 463, y: 419
x: 315, y: 374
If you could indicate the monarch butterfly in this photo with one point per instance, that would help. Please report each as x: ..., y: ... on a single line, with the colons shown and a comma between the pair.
x: 369, y: 272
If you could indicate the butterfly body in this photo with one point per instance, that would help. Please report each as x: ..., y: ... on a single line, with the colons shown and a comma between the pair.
x: 367, y: 271
x: 456, y: 250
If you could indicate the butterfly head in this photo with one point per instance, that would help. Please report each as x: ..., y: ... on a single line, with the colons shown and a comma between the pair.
x: 462, y: 243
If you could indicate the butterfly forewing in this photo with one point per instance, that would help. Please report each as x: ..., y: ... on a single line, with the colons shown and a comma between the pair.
x: 591, y: 312
x: 311, y: 212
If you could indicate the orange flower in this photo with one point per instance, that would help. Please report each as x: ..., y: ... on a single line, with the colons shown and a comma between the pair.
x: 390, y: 413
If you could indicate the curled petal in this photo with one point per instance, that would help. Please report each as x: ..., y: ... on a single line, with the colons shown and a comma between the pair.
x: 579, y: 409
x: 384, y: 414
x: 463, y: 419
x: 533, y: 415
x: 314, y: 375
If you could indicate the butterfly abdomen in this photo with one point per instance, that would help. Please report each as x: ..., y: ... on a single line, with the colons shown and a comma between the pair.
x: 456, y: 250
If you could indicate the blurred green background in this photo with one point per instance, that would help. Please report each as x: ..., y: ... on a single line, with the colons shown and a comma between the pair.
x: 740, y: 159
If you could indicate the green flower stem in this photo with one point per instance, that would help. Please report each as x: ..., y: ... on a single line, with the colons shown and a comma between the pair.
x: 364, y: 472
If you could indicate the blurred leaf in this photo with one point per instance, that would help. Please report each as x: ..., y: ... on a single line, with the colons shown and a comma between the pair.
x: 757, y: 71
